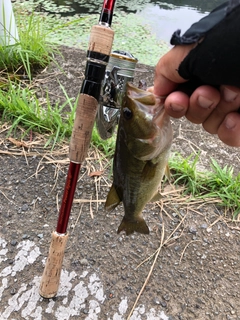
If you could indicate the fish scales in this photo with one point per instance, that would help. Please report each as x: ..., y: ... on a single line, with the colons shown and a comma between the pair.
x: 142, y: 149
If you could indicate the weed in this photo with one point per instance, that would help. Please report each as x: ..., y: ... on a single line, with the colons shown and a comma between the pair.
x: 22, y: 107
x: 106, y: 146
x: 223, y: 184
x: 219, y: 183
x: 184, y: 172
x: 75, y: 30
x: 31, y: 52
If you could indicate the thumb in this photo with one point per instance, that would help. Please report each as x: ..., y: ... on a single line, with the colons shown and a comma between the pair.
x: 167, y: 77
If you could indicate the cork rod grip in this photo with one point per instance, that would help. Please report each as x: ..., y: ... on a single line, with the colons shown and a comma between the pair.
x: 51, y: 275
x: 82, y: 129
x: 101, y: 39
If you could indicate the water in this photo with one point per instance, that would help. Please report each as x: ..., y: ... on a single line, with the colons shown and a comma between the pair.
x: 163, y: 18
x: 164, y: 22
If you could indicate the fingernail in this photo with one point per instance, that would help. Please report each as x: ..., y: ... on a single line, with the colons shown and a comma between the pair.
x: 230, y: 123
x: 204, y: 102
x: 229, y: 95
x: 176, y: 107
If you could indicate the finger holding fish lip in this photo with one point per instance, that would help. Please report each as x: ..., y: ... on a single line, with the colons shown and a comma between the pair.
x: 202, y: 101
x: 159, y: 99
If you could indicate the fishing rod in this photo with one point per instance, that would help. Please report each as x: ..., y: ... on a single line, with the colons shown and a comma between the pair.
x: 98, y: 53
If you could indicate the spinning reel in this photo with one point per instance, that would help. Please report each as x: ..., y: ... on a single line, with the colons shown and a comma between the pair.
x: 119, y: 71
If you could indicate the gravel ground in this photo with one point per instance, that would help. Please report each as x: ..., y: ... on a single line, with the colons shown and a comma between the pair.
x: 195, y: 274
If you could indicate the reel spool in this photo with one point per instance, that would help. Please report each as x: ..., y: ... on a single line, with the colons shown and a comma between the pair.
x: 119, y: 71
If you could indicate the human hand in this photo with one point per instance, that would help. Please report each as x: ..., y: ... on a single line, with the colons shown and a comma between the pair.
x: 216, y: 110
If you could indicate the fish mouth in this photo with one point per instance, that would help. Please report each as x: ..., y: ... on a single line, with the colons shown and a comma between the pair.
x: 160, y: 115
x: 147, y: 101
x: 152, y: 107
x: 142, y: 97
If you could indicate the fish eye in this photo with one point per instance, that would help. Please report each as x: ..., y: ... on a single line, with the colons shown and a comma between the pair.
x: 127, y: 113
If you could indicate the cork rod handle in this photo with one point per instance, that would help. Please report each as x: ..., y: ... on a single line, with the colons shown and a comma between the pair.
x: 52, y: 272
x: 82, y: 128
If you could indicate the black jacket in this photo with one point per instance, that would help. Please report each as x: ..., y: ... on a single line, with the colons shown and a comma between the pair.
x: 216, y: 58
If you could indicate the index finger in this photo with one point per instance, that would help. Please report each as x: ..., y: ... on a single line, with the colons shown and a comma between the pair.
x: 167, y: 77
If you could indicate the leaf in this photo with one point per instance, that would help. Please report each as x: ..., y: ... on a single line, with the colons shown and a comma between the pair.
x: 96, y: 173
x: 18, y: 143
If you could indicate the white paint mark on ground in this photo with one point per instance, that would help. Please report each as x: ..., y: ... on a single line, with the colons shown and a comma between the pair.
x: 3, y: 287
x: 32, y: 298
x: 138, y: 314
x: 123, y: 306
x: 96, y: 288
x: 82, y: 295
x: 15, y: 303
x: 50, y: 306
x: 75, y: 306
x: 65, y: 283
x: 154, y: 315
x: 3, y: 250
x: 94, y: 309
x: 27, y: 254
x: 151, y: 315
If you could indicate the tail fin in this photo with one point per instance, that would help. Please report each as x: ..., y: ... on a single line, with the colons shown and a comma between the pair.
x: 138, y: 225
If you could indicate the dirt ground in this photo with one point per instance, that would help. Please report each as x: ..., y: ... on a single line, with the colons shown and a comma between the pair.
x: 196, y: 273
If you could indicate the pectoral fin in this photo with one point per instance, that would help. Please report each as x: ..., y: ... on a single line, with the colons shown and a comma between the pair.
x: 113, y: 199
x: 167, y: 172
x: 156, y: 197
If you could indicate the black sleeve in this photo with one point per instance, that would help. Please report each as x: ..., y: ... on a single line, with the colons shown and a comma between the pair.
x: 216, y: 58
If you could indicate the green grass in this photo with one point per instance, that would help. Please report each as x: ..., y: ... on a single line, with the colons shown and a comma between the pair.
x: 106, y: 146
x: 218, y: 183
x: 184, y: 172
x: 75, y: 30
x: 56, y: 29
x: 20, y: 106
x: 39, y: 35
x: 222, y: 183
x: 18, y: 102
x: 31, y: 52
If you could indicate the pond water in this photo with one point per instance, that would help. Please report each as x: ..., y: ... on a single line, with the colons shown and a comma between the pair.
x: 163, y: 18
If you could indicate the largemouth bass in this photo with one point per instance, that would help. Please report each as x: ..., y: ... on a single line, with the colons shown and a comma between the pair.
x: 142, y: 149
